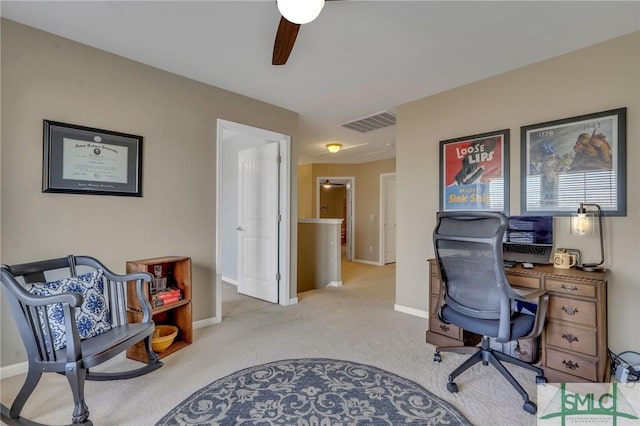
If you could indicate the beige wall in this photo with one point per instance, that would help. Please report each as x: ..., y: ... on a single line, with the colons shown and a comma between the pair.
x: 48, y: 77
x: 334, y: 199
x: 319, y: 254
x: 305, y: 191
x: 367, y: 202
x: 598, y: 78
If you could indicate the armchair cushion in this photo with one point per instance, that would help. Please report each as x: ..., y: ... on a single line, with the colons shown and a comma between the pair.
x: 92, y: 317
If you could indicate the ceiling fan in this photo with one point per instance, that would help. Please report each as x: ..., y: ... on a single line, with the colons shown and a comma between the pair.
x: 294, y: 13
x: 327, y: 184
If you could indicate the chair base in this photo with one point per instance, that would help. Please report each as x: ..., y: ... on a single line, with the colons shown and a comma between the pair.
x: 489, y: 356
x: 21, y: 421
x: 11, y: 416
x: 123, y: 375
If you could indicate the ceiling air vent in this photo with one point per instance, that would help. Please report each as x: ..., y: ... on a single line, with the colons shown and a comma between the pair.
x: 373, y: 122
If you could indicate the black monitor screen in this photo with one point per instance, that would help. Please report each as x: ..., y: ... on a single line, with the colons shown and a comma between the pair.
x: 529, y: 230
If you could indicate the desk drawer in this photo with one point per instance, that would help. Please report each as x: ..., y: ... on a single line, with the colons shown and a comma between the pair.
x: 572, y: 364
x: 572, y: 338
x: 572, y: 310
x: 440, y: 327
x: 570, y: 287
x: 520, y: 281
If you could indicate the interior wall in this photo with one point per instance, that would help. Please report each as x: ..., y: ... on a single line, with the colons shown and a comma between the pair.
x: 305, y: 191
x: 368, y: 208
x: 49, y: 77
x: 332, y: 202
x: 598, y: 78
x: 367, y: 201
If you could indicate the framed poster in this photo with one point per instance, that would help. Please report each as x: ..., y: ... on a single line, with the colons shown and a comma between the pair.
x: 574, y: 160
x: 84, y: 160
x: 474, y: 172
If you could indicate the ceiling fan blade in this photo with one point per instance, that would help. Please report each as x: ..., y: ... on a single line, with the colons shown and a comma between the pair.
x: 285, y: 39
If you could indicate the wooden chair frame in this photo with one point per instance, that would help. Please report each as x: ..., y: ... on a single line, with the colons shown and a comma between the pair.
x: 79, y: 356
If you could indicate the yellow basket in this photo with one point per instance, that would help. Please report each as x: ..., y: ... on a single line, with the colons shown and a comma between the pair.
x: 163, y: 337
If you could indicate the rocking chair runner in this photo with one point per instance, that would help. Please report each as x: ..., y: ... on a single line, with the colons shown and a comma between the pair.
x: 63, y: 350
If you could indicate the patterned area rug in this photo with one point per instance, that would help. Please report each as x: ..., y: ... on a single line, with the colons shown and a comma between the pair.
x: 313, y: 392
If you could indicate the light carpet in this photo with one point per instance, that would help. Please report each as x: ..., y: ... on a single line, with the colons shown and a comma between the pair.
x: 356, y: 322
x: 313, y: 392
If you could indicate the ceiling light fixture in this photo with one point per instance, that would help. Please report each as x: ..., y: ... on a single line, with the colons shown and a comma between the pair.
x: 334, y: 147
x: 326, y: 184
x: 300, y: 11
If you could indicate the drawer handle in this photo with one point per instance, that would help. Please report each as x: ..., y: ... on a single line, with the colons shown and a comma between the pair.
x: 570, y: 364
x: 444, y: 328
x: 570, y: 310
x: 570, y: 338
x: 569, y: 287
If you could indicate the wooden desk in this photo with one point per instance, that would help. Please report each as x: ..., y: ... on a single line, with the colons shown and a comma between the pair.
x: 574, y: 344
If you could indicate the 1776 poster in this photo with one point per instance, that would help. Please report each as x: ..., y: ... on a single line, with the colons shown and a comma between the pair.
x: 474, y: 172
x: 572, y: 161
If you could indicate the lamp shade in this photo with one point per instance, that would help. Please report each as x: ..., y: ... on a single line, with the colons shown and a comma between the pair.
x: 334, y: 147
x: 589, y: 217
x: 300, y: 11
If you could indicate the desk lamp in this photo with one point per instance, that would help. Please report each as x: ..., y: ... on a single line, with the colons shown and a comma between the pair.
x: 584, y: 224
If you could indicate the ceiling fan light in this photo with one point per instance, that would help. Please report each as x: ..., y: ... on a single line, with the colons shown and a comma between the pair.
x: 334, y: 147
x: 300, y: 11
x: 326, y: 184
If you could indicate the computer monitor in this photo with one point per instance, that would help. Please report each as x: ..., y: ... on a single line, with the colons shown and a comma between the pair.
x: 529, y: 229
x: 528, y: 239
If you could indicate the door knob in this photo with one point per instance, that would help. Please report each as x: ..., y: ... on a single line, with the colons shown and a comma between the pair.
x: 240, y: 228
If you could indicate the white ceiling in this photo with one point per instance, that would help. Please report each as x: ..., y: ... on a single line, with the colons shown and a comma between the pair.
x: 358, y: 58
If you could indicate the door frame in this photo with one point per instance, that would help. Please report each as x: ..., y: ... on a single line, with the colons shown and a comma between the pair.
x: 383, y: 203
x: 350, y: 182
x: 284, y: 230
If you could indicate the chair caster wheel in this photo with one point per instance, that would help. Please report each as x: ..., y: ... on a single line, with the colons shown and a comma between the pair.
x: 530, y: 407
x: 541, y: 380
x: 437, y: 357
x: 452, y: 387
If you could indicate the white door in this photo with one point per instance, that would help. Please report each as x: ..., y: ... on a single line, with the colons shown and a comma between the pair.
x: 389, y: 219
x: 348, y: 219
x: 258, y: 184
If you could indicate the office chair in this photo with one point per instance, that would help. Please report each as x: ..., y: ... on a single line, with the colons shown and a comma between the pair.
x: 477, y: 297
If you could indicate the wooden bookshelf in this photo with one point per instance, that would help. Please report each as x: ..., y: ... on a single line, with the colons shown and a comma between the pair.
x: 177, y: 270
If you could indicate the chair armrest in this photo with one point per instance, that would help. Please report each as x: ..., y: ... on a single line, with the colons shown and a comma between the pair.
x: 532, y: 295
x: 95, y: 263
x: 542, y: 298
x: 73, y: 299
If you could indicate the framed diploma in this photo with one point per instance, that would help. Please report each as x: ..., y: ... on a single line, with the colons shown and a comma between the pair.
x: 474, y: 172
x: 84, y: 160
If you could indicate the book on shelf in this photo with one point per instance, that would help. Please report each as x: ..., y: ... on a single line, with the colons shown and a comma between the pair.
x: 169, y: 293
x: 162, y: 302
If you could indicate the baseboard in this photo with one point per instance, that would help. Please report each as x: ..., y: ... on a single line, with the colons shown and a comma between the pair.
x: 411, y: 311
x: 293, y: 301
x: 335, y: 284
x: 368, y: 262
x: 229, y: 280
x: 13, y: 370
x: 206, y: 322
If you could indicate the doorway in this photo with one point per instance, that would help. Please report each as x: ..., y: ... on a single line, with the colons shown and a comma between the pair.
x: 232, y: 139
x: 348, y: 183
